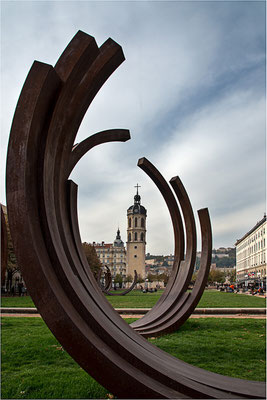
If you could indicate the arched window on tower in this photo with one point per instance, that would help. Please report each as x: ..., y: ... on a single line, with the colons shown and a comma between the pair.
x: 130, y: 222
x: 135, y: 236
x: 129, y: 237
x: 135, y: 222
x: 142, y: 222
x: 142, y: 237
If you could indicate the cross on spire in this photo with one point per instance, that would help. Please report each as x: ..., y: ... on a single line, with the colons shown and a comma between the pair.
x: 137, y: 186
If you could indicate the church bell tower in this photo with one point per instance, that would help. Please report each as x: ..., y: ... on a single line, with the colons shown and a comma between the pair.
x: 136, y: 237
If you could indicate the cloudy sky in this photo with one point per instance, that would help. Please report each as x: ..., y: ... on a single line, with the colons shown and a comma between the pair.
x: 191, y: 92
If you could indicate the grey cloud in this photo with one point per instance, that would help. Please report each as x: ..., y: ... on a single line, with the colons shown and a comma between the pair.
x: 191, y: 91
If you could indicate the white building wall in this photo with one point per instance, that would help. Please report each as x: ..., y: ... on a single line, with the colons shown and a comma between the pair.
x: 251, y: 253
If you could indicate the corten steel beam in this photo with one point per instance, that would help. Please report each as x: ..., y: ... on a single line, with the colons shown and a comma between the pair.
x: 43, y: 222
x: 4, y: 247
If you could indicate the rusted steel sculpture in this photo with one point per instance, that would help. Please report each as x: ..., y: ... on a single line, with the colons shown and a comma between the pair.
x: 108, y: 283
x: 107, y: 278
x: 4, y: 247
x: 42, y: 210
x: 176, y: 304
x: 126, y: 291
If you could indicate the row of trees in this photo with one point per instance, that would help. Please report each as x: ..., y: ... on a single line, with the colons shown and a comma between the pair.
x: 224, y: 262
x: 217, y: 276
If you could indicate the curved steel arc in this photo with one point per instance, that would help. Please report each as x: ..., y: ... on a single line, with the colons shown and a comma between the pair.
x: 178, y: 314
x: 108, y: 279
x: 41, y: 212
x: 177, y: 295
x: 163, y: 187
x: 77, y: 153
x: 111, y: 135
x: 79, y: 89
x: 125, y: 291
x: 169, y: 198
x: 72, y: 190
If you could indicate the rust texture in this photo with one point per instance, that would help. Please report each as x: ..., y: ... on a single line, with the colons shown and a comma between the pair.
x: 42, y: 211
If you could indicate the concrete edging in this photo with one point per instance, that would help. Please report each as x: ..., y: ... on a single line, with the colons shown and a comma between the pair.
x: 132, y: 311
x: 207, y: 311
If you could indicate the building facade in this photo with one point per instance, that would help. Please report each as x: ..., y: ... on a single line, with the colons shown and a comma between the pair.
x: 113, y: 255
x: 136, y: 237
x: 251, y: 255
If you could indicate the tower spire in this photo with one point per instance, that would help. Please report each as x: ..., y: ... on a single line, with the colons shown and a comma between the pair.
x: 137, y: 186
x: 118, y: 234
x: 137, y: 197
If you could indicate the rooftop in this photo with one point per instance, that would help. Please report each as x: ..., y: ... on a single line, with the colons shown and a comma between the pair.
x: 258, y: 224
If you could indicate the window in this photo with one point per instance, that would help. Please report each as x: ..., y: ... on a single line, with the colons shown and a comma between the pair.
x: 130, y: 222
x: 142, y: 237
x: 135, y: 256
x: 142, y: 222
x: 135, y: 236
x: 135, y: 247
x: 135, y: 222
x: 129, y: 237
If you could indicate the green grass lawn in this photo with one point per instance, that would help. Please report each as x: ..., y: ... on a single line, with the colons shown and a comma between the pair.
x: 34, y: 366
x: 24, y: 301
x: 234, y: 347
x: 214, y: 298
x: 137, y: 299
